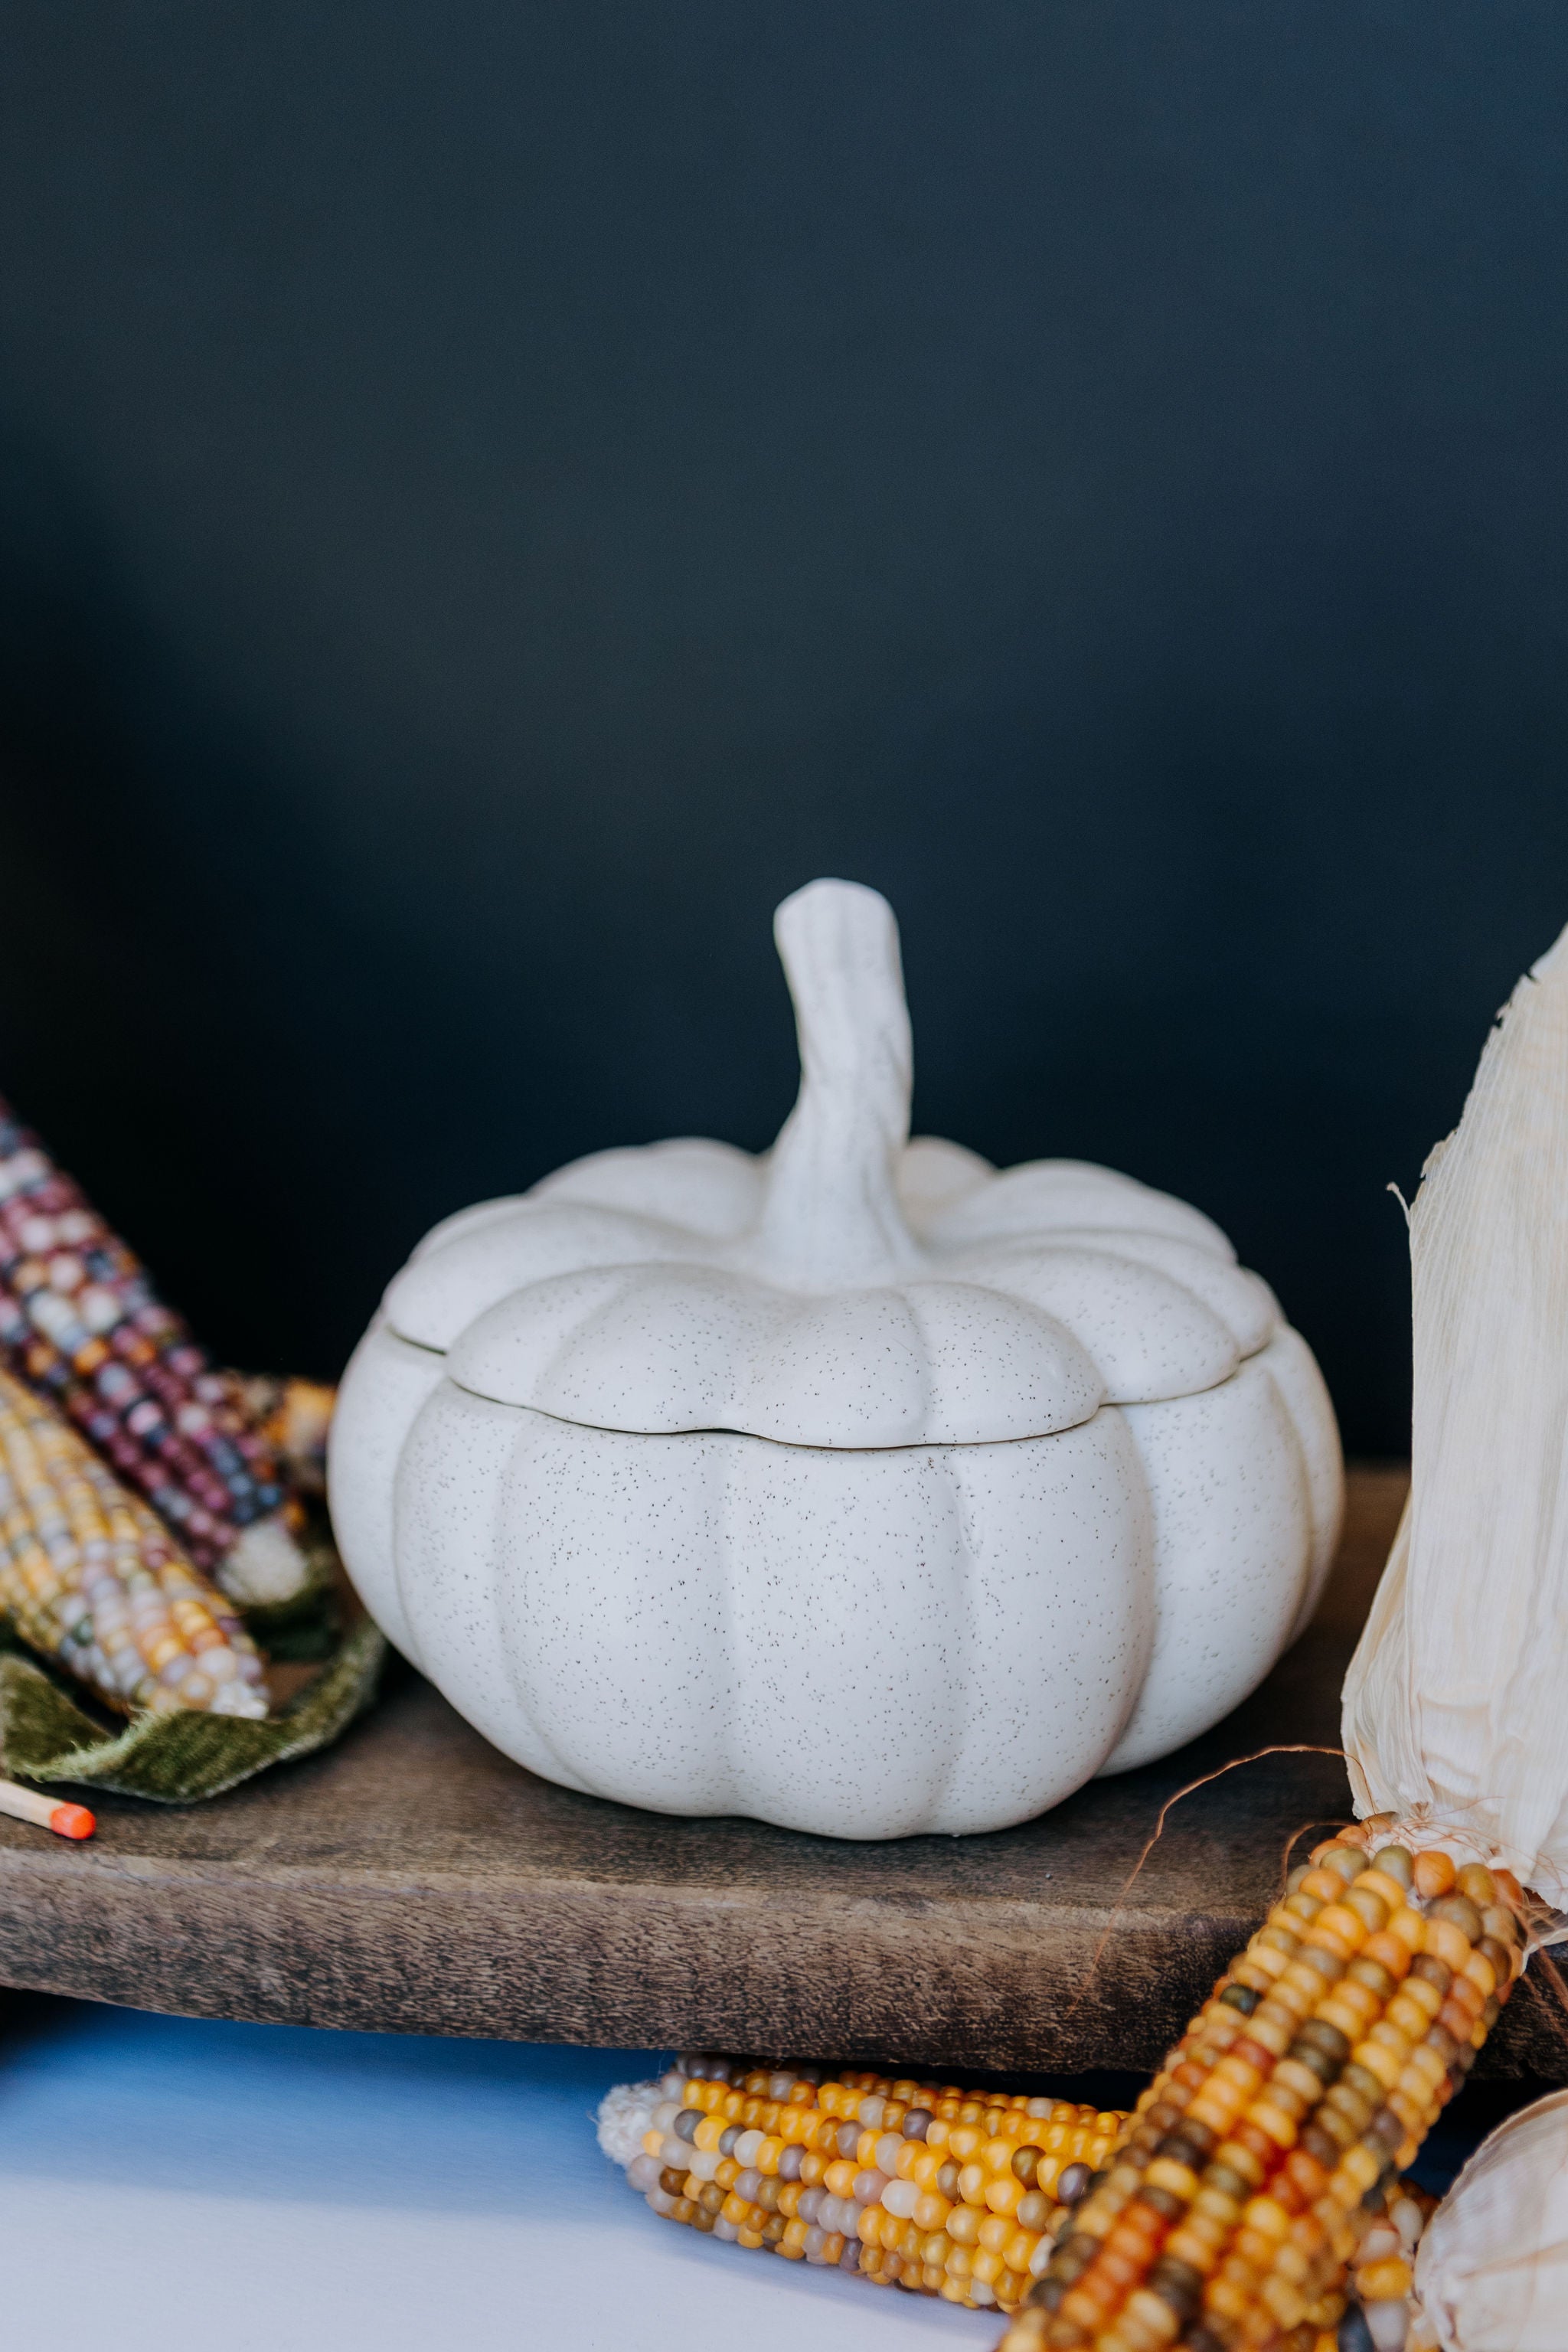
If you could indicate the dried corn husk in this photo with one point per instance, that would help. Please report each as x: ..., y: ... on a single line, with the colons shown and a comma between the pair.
x: 1455, y: 1705
x: 1492, y: 2272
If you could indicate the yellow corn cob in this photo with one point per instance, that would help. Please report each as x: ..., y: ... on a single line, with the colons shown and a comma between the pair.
x: 90, y: 1577
x: 1242, y: 2190
x: 942, y: 2191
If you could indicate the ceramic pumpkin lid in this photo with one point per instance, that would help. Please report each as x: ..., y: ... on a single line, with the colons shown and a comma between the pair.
x: 847, y: 1288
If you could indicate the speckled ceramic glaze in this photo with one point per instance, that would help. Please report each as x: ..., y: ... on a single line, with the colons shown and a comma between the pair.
x: 858, y: 1486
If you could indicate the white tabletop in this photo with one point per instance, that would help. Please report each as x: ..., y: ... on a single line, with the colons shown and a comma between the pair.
x: 171, y: 2187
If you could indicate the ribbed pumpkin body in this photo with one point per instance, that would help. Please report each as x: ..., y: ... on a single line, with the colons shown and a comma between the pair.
x: 866, y: 1643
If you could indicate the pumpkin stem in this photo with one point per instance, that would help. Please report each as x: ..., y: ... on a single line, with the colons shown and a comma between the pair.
x: 832, y: 1216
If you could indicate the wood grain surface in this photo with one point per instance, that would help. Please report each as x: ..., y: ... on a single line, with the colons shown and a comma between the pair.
x: 413, y: 1879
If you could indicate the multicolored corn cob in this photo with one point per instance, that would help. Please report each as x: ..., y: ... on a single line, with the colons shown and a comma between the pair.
x: 947, y: 2192
x: 91, y: 1578
x: 1238, y: 2198
x: 80, y: 1322
x: 292, y: 1416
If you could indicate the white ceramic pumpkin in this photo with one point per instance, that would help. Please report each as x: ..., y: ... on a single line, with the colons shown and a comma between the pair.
x: 856, y: 1486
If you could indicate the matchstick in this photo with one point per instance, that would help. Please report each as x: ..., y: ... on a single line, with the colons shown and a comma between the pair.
x: 26, y: 1805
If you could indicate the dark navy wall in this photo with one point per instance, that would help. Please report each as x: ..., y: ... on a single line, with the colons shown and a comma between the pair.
x: 493, y: 495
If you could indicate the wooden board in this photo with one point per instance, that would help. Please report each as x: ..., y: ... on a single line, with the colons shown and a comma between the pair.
x: 413, y: 1879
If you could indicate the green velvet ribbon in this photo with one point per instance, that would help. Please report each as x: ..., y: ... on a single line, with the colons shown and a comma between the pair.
x: 49, y: 1734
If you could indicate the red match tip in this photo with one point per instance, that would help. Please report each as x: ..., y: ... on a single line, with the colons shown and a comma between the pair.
x: 72, y: 1821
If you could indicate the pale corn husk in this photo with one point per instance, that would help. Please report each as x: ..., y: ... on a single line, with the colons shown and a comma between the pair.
x: 1455, y: 1705
x: 1492, y: 2272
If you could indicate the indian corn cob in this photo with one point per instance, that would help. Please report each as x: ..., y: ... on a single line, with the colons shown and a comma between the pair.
x: 80, y: 1322
x: 89, y: 1576
x: 943, y: 2191
x: 292, y: 1416
x: 1243, y: 2189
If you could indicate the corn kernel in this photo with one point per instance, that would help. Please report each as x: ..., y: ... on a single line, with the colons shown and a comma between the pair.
x: 1383, y: 2282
